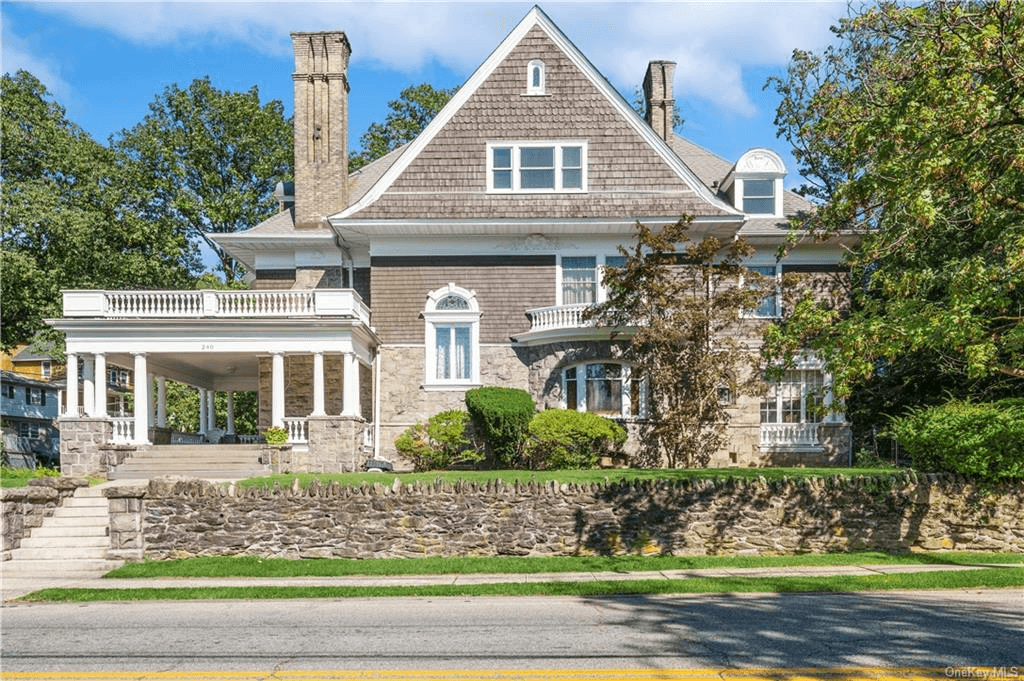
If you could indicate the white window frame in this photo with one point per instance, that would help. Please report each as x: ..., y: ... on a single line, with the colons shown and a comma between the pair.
x: 600, y: 262
x: 628, y: 409
x: 46, y: 369
x: 776, y: 293
x: 806, y: 364
x: 35, y: 397
x: 536, y: 65
x: 436, y: 321
x: 559, y: 167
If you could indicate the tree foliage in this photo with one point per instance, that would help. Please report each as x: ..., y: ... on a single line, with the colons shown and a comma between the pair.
x: 682, y: 302
x: 415, y: 107
x: 64, y: 215
x: 206, y: 161
x: 911, y: 130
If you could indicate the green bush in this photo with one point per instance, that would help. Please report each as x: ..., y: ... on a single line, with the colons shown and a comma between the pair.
x: 440, y: 443
x: 275, y: 435
x: 501, y: 417
x: 560, y: 438
x: 977, y: 439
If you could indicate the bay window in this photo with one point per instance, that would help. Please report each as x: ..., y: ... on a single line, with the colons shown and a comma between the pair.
x: 606, y: 388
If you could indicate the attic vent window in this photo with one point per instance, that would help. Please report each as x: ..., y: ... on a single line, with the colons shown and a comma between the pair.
x: 535, y: 78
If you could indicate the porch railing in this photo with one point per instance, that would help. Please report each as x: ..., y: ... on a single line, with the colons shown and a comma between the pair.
x: 207, y: 303
x: 123, y: 430
x: 789, y: 435
x: 182, y: 438
x: 298, y: 430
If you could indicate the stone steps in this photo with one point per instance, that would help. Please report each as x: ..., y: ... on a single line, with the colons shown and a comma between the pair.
x: 212, y: 462
x: 71, y: 543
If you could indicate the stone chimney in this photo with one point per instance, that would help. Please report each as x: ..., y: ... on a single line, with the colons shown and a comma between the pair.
x: 658, y: 97
x: 321, y: 126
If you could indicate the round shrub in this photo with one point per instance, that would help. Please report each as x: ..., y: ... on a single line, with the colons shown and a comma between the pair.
x: 560, y: 438
x: 439, y: 443
x: 501, y: 417
x: 981, y: 440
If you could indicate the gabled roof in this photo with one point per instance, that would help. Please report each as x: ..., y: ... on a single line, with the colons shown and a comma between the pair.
x: 537, y: 19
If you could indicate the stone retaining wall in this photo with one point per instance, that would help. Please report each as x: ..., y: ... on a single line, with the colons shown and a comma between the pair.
x: 904, y: 512
x: 25, y: 507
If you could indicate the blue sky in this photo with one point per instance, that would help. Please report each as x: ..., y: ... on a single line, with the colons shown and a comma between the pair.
x: 106, y: 61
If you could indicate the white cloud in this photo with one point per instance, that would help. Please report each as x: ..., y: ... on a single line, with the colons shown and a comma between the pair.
x: 712, y: 42
x: 19, y: 54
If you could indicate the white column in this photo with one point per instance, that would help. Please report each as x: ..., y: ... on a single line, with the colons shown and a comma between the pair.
x: 350, y: 405
x: 231, y: 413
x: 277, y: 390
x: 211, y: 406
x: 72, y: 385
x: 151, y: 395
x: 141, y: 400
x: 89, y: 386
x: 318, y: 384
x: 161, y: 402
x: 202, y: 411
x: 101, y: 384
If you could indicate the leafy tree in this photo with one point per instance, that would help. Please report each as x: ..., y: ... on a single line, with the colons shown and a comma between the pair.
x: 183, y: 409
x: 415, y: 107
x: 206, y: 161
x: 683, y: 308
x: 911, y: 129
x: 65, y: 222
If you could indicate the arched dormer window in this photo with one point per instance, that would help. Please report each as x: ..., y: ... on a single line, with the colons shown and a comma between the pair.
x: 452, y: 335
x: 536, y: 78
x: 755, y: 183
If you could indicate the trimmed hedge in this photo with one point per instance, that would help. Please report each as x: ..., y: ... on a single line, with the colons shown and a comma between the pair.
x: 561, y: 438
x: 501, y: 417
x: 982, y: 440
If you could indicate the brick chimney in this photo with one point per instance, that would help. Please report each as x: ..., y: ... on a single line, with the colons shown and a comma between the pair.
x: 658, y: 97
x: 321, y: 125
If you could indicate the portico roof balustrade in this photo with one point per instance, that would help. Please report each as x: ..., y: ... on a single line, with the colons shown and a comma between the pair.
x: 209, y: 303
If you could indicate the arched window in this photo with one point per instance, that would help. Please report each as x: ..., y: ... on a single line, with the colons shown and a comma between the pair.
x: 536, y: 78
x: 452, y: 335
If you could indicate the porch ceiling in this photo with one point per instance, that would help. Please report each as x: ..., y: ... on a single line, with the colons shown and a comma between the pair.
x: 215, y: 370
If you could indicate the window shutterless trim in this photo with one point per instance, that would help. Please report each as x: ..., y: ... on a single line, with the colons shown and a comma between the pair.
x: 505, y: 167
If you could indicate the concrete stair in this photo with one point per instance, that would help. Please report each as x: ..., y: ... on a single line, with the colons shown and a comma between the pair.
x: 209, y: 462
x: 72, y: 543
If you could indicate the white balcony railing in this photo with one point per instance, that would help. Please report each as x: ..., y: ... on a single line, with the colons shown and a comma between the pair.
x: 558, y: 317
x: 789, y: 435
x: 223, y: 304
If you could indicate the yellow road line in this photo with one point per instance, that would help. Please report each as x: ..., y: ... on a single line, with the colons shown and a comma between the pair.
x: 782, y: 674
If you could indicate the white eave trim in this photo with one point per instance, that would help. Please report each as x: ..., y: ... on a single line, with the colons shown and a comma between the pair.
x: 535, y: 17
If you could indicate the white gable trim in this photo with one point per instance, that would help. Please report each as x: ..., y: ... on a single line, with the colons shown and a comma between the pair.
x: 535, y: 17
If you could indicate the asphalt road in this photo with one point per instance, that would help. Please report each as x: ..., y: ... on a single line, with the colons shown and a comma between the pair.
x: 955, y: 629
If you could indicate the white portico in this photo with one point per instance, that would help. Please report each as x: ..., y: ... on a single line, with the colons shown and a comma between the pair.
x: 308, y: 353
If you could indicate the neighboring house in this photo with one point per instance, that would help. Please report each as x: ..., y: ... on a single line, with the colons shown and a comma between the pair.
x: 28, y: 412
x: 462, y: 259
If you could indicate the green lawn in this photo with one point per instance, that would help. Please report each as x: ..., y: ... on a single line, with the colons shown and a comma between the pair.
x: 19, y: 477
x: 992, y: 578
x: 253, y: 566
x: 509, y: 477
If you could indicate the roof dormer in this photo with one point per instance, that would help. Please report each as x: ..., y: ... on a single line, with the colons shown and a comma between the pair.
x: 755, y: 183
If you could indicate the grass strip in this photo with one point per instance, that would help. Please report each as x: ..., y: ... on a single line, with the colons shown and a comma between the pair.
x: 254, y: 566
x: 947, y: 579
x: 601, y: 475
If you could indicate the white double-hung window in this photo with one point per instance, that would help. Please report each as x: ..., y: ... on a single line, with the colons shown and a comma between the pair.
x: 581, y: 278
x: 452, y: 336
x: 528, y: 167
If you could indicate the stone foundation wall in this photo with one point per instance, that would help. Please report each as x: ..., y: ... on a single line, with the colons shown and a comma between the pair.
x: 905, y: 512
x: 25, y: 507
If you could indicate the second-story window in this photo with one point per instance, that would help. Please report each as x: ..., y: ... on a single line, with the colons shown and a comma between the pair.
x: 537, y: 167
x: 45, y: 368
x: 35, y: 396
x: 7, y: 391
x: 582, y: 281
